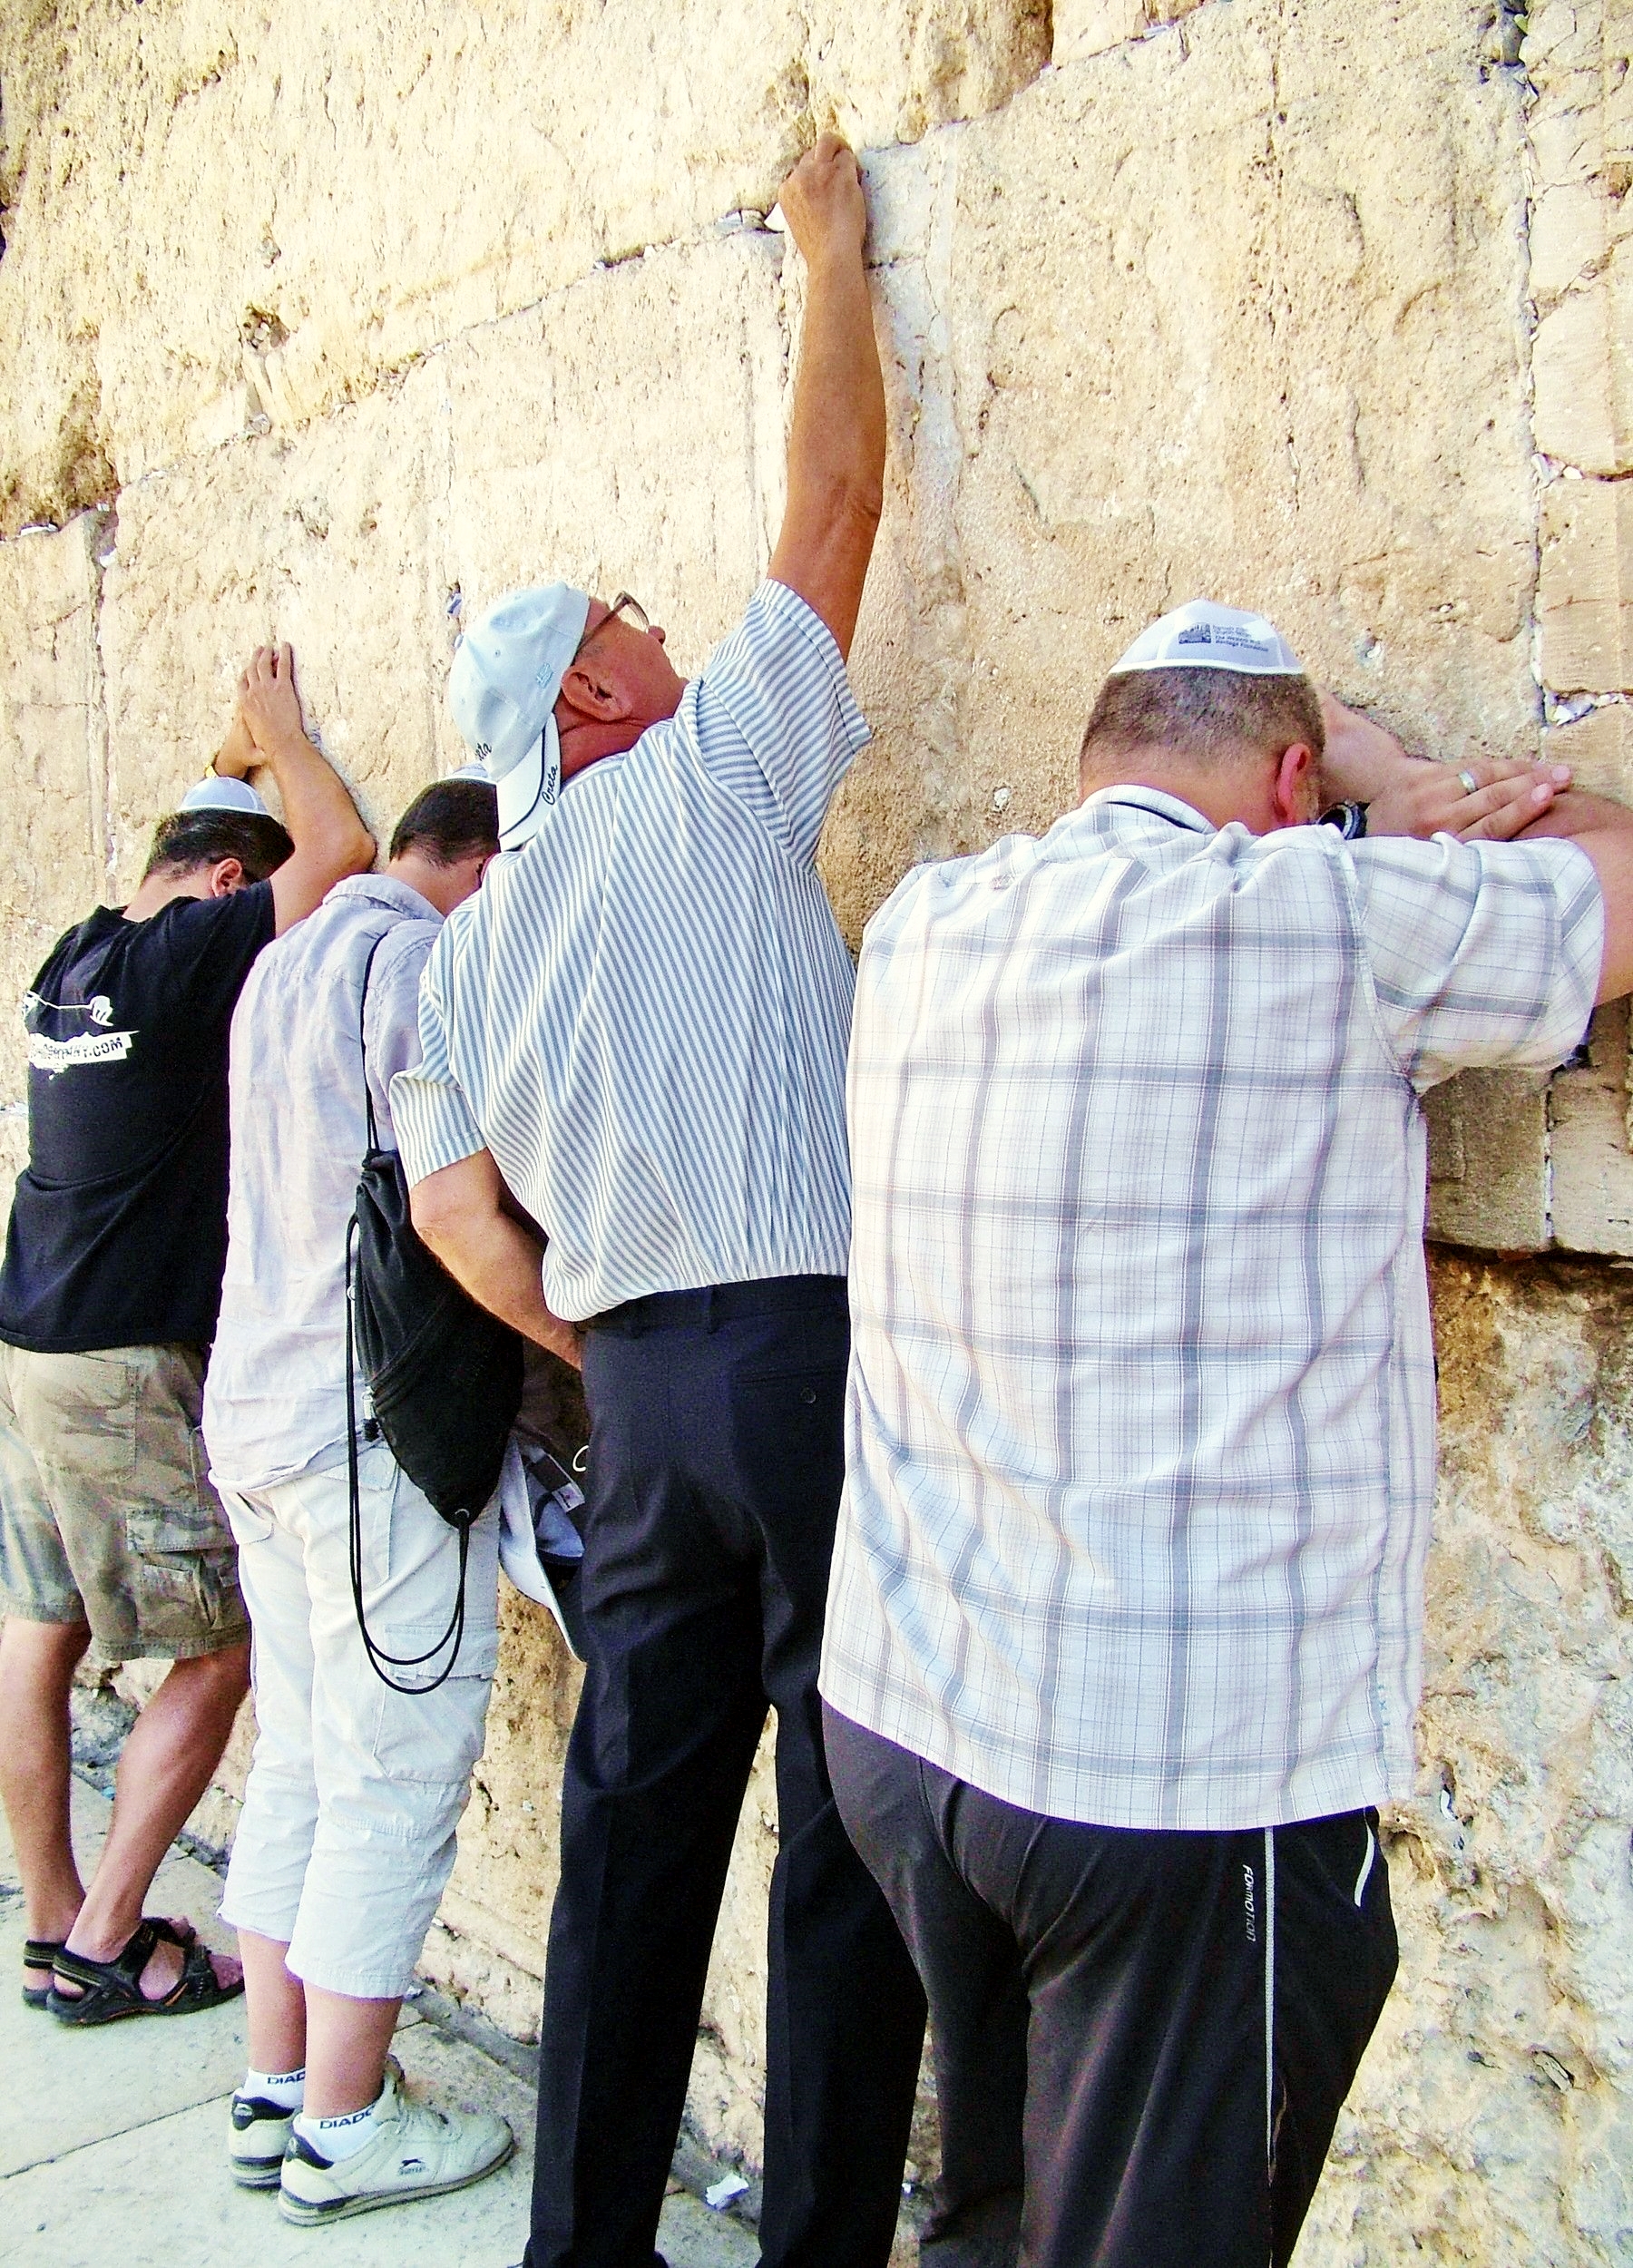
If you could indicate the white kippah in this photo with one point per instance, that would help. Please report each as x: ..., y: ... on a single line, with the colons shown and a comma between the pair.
x: 215, y: 793
x: 1203, y: 635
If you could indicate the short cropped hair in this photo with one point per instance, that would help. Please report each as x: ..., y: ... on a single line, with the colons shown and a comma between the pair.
x: 450, y: 821
x: 1203, y: 715
x: 187, y: 840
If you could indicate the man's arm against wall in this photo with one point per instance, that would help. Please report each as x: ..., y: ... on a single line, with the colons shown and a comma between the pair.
x: 1417, y: 795
x: 463, y: 1214
x: 1604, y: 830
x: 836, y: 446
x: 330, y: 837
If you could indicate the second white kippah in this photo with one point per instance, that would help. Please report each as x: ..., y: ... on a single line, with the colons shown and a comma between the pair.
x: 1202, y: 635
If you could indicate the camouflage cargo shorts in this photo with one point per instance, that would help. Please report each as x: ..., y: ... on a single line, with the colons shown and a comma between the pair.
x: 107, y: 1516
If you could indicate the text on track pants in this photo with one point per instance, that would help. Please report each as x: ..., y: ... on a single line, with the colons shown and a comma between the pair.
x: 1143, y: 2039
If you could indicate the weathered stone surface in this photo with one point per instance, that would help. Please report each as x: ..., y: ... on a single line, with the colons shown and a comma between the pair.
x: 1598, y: 747
x: 1487, y: 1161
x: 1586, y: 614
x: 1588, y: 1140
x: 53, y: 729
x: 1490, y: 2122
x: 215, y: 213
x: 1088, y: 27
x: 1577, y: 54
x: 537, y: 447
x: 1168, y: 325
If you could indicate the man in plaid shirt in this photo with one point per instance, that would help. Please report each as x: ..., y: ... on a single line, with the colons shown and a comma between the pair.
x: 1124, y: 1631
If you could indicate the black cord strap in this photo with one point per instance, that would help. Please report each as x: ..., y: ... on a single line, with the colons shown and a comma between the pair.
x: 454, y: 1636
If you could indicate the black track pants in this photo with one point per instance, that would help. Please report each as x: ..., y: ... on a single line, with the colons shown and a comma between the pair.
x: 1142, y: 2040
x: 714, y: 1474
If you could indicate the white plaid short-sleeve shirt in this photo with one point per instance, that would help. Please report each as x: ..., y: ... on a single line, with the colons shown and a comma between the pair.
x: 1140, y: 1432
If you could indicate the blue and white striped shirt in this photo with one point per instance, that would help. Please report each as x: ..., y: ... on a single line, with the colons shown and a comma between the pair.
x: 643, y: 1012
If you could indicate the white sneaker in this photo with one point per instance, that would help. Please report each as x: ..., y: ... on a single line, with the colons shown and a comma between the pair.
x: 257, y: 2140
x: 415, y: 2152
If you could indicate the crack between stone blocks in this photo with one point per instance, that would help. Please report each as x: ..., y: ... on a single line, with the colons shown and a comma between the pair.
x: 100, y: 780
x: 96, y: 2141
x: 372, y: 382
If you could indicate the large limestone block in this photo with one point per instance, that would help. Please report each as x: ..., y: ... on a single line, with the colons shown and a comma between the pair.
x: 1577, y: 54
x: 1592, y: 1166
x: 1487, y: 1161
x: 1584, y: 609
x: 52, y: 758
x: 1598, y: 747
x: 217, y: 212
x: 322, y: 540
x: 509, y: 1839
x: 1492, y: 2120
x: 613, y: 436
x: 627, y: 435
x: 1236, y: 315
x: 1088, y: 27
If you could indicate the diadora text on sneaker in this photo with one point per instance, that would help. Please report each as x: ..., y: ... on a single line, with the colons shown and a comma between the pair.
x: 409, y: 2150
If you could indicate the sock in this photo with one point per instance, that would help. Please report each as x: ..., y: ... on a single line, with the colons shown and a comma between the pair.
x: 286, y: 2088
x: 342, y: 2136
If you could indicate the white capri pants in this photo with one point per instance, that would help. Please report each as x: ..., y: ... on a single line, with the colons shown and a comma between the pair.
x: 355, y: 1791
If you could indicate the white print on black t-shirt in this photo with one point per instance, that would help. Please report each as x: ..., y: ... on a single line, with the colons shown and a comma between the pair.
x: 91, y: 1047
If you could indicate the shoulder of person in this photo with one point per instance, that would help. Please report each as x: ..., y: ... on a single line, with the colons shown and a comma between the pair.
x: 193, y: 919
x: 776, y: 619
x: 919, y: 889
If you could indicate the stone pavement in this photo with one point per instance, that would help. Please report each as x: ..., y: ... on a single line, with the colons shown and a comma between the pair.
x: 112, y: 2141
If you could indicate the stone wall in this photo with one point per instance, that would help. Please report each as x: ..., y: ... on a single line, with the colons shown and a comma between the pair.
x: 329, y: 324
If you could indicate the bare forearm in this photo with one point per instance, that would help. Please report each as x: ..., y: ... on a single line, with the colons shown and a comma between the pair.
x: 836, y: 447
x: 1577, y: 814
x: 319, y: 811
x: 500, y: 1265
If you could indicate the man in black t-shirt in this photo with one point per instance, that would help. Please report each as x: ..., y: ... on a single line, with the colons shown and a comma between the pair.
x: 110, y: 1532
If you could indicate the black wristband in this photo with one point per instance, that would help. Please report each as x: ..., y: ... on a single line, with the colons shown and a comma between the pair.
x: 1349, y: 818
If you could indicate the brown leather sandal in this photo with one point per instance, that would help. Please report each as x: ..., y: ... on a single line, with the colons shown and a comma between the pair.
x: 112, y: 1988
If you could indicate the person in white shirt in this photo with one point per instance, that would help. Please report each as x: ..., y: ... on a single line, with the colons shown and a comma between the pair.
x: 638, y: 1031
x: 355, y: 1787
x: 1125, y: 1625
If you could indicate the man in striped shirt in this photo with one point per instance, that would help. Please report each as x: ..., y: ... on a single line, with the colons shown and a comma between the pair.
x: 1124, y: 1640
x: 637, y: 1033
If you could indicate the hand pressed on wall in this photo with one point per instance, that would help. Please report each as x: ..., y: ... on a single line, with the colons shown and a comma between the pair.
x: 1482, y: 801
x: 268, y: 702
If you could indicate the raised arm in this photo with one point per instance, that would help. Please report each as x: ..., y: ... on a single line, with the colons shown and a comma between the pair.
x: 836, y: 447
x: 461, y: 1212
x: 330, y: 837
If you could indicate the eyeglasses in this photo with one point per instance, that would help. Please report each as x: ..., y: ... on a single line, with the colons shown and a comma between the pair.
x: 624, y: 603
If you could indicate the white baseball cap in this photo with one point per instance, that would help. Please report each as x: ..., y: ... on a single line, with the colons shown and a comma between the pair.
x: 215, y: 792
x: 507, y: 672
x: 1203, y: 635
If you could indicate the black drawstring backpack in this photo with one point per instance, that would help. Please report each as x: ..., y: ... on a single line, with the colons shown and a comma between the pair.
x: 444, y: 1375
